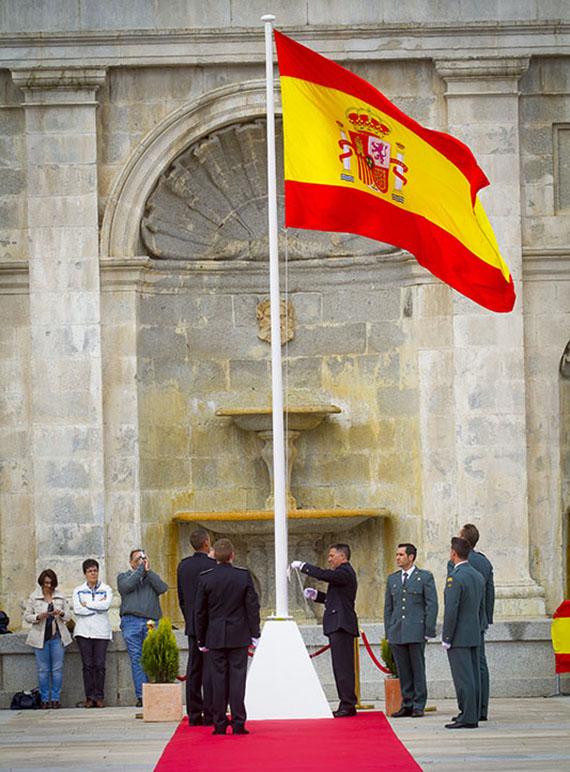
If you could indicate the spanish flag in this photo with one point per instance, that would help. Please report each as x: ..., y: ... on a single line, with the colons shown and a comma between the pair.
x: 560, y: 632
x: 355, y: 163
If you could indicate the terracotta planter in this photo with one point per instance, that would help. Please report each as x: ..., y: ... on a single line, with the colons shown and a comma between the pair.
x: 392, y: 695
x: 162, y: 702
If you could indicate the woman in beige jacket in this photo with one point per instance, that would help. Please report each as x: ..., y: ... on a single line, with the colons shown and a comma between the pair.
x: 47, y: 611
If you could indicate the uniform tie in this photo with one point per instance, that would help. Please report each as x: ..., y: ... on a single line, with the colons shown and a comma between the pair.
x: 405, y: 581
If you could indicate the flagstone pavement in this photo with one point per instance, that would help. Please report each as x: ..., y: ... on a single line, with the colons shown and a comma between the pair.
x: 522, y: 734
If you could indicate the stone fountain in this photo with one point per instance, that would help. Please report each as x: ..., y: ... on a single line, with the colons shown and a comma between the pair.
x: 251, y: 530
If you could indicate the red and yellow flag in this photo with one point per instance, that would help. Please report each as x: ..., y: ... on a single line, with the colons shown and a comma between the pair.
x: 560, y: 632
x: 355, y: 163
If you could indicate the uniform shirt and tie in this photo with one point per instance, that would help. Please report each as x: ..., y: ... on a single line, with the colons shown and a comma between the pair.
x: 410, y: 614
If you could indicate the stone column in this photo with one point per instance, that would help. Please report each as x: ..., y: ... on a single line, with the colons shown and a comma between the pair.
x: 488, y: 349
x: 66, y: 404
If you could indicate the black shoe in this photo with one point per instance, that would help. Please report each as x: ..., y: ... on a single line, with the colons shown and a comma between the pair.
x: 240, y: 730
x: 404, y: 711
x: 483, y: 718
x: 138, y: 703
x: 457, y: 725
x: 417, y: 713
x: 219, y: 731
x: 195, y: 721
x: 344, y: 712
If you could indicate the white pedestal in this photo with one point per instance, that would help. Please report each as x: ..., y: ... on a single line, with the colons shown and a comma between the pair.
x: 282, y: 682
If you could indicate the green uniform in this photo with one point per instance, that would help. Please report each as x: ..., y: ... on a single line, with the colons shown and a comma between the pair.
x: 463, y: 621
x: 410, y: 614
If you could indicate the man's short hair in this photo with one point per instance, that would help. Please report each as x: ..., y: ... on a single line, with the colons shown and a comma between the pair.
x: 410, y: 549
x: 461, y: 547
x: 470, y: 533
x: 344, y: 548
x: 132, y: 552
x: 89, y: 563
x: 223, y: 550
x: 198, y: 538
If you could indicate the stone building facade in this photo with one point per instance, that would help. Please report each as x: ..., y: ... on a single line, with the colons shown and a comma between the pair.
x: 133, y: 259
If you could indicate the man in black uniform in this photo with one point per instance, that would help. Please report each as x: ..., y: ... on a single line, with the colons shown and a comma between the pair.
x: 339, y: 622
x: 410, y: 614
x: 461, y: 633
x: 227, y: 621
x: 197, y: 671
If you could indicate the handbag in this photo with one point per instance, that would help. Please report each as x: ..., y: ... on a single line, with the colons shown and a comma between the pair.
x: 30, y: 700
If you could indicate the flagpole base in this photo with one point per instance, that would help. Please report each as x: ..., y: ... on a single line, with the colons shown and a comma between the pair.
x: 282, y: 681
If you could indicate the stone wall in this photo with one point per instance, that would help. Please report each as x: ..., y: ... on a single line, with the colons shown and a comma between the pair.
x: 521, y: 664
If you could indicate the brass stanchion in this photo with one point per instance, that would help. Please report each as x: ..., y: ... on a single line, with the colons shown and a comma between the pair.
x: 359, y: 705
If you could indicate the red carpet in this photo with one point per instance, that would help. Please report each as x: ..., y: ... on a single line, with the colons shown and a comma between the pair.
x: 365, y: 743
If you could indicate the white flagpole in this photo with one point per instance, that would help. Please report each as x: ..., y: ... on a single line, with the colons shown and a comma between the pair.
x: 281, y: 599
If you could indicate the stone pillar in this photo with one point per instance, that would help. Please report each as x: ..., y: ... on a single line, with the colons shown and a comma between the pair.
x: 488, y: 349
x: 66, y: 400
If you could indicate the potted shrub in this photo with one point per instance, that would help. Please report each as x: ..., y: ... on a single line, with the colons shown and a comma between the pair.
x: 162, y: 696
x: 392, y: 693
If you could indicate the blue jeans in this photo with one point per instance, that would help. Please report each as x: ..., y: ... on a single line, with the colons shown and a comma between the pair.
x: 49, y: 662
x: 134, y: 631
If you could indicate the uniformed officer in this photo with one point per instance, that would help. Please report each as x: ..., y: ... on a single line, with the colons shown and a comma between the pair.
x: 461, y: 634
x: 410, y: 614
x: 482, y: 563
x: 340, y: 624
x: 198, y: 707
x: 227, y: 622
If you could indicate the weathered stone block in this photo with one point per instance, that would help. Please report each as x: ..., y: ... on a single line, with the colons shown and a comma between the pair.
x: 360, y: 305
x: 69, y: 149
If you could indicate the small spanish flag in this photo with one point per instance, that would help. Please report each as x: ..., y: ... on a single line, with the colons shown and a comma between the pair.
x: 560, y: 632
x: 355, y: 163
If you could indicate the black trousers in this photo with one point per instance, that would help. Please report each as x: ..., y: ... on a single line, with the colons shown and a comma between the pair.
x: 93, y: 654
x: 484, y: 674
x: 229, y: 670
x: 411, y: 665
x: 342, y: 654
x: 198, y: 683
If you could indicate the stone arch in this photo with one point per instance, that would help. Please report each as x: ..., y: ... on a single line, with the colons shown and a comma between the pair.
x: 120, y: 234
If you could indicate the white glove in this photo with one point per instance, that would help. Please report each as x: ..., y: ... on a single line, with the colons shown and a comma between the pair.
x: 445, y: 646
x: 298, y: 564
x: 254, y: 642
x: 310, y: 593
x: 203, y: 649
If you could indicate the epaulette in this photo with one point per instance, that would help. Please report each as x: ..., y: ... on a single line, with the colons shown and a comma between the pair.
x: 207, y: 571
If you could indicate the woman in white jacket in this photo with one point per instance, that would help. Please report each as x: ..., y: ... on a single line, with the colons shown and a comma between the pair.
x: 91, y: 602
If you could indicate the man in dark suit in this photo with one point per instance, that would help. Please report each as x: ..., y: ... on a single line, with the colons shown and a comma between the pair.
x: 482, y: 563
x: 410, y: 614
x: 461, y: 633
x: 339, y: 622
x: 199, y: 708
x: 227, y: 622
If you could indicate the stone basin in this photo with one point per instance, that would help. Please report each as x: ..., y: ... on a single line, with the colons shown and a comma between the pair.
x: 260, y: 521
x: 298, y: 418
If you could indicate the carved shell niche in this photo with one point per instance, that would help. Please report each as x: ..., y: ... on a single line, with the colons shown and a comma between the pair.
x: 211, y: 204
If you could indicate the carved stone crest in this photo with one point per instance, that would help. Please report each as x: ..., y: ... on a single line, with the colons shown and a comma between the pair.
x: 286, y: 315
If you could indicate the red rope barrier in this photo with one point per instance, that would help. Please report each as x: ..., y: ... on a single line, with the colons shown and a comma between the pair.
x: 372, y: 655
x: 320, y: 651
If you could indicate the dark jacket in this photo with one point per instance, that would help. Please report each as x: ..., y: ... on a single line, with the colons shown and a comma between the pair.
x: 188, y: 576
x: 227, y: 608
x: 485, y: 567
x: 139, y: 592
x: 464, y: 612
x: 339, y: 598
x: 410, y: 612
